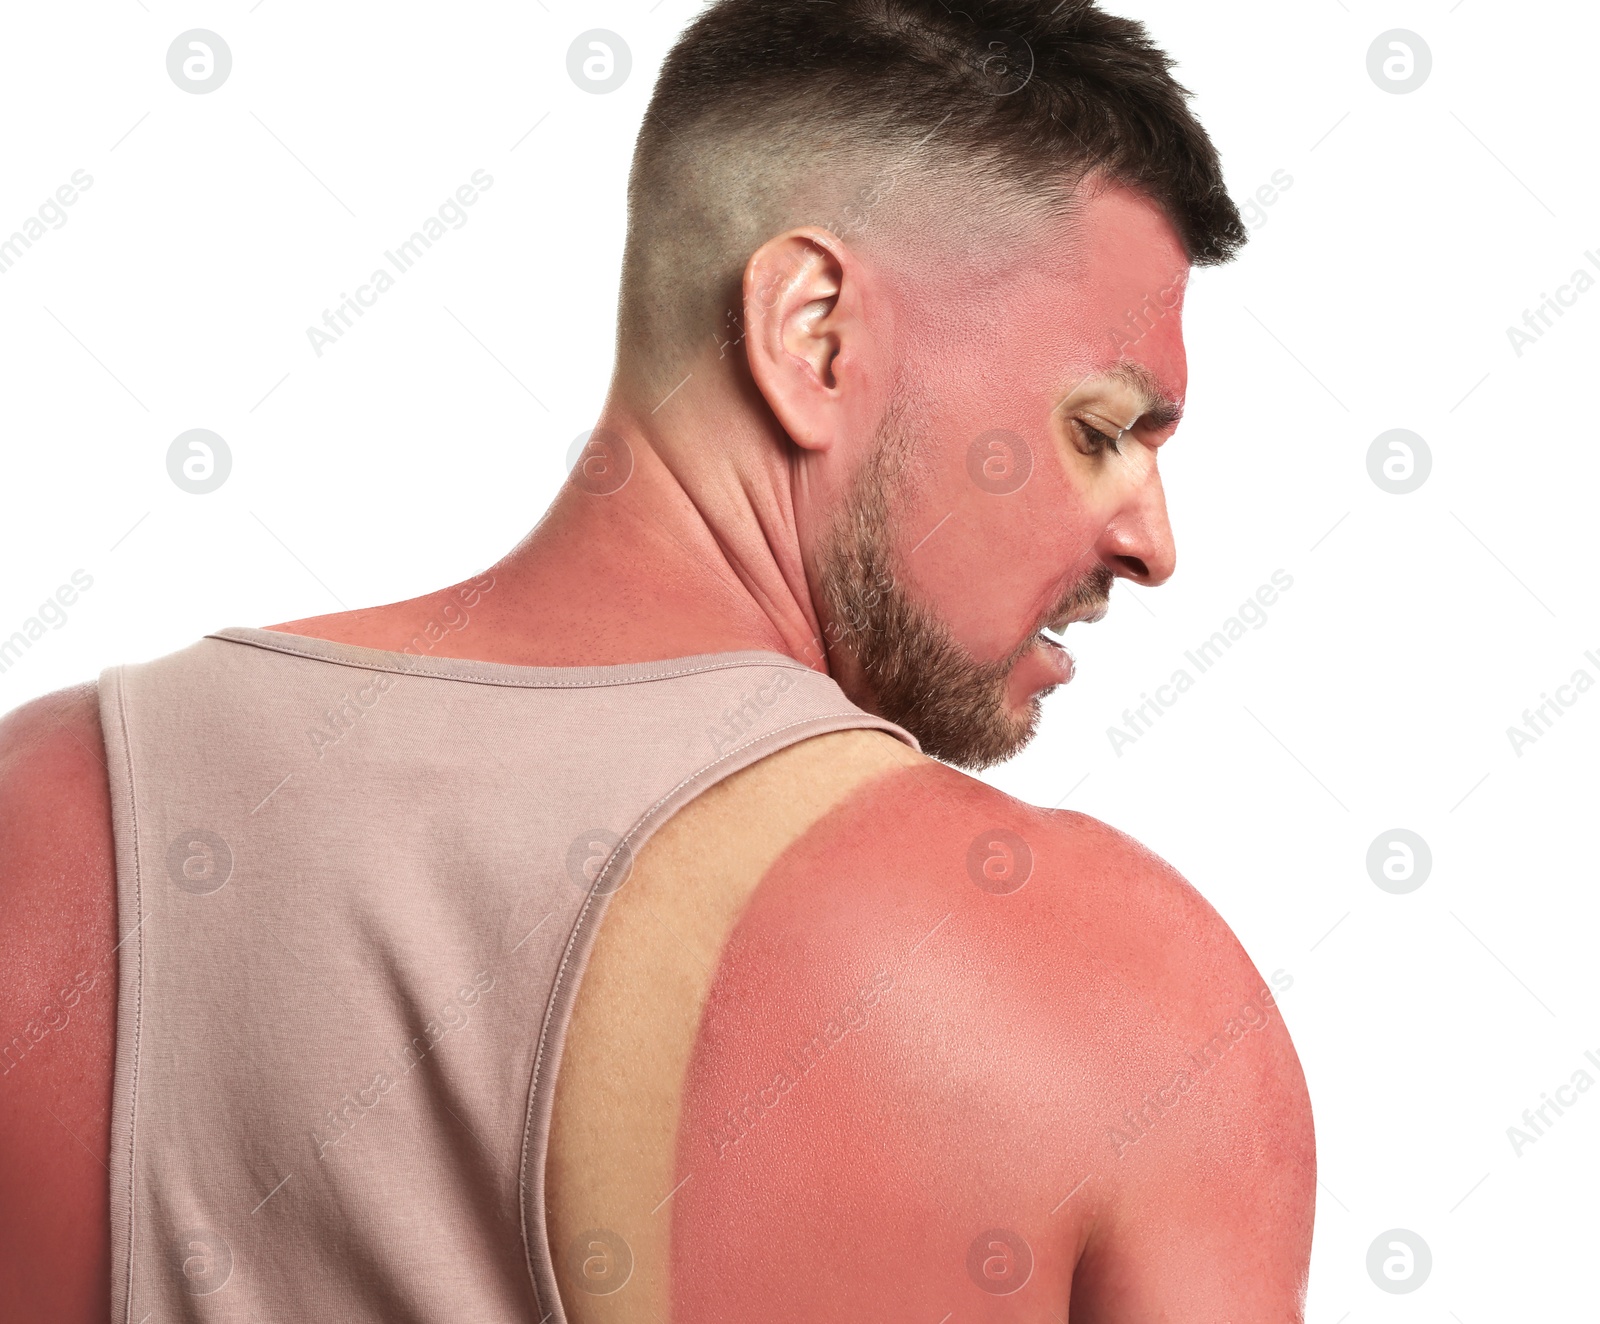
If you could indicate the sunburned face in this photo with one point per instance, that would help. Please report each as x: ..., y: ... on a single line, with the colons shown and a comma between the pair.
x: 1014, y: 477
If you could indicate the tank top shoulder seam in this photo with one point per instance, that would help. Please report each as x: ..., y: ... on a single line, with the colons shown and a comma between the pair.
x: 473, y: 671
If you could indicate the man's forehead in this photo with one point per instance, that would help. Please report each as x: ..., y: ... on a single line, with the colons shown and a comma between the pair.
x: 1121, y: 276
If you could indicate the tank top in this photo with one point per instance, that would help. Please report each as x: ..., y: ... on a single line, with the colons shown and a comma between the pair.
x: 356, y: 891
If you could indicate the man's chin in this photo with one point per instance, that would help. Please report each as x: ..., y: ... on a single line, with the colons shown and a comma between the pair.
x: 968, y: 714
x: 1014, y: 711
x: 998, y: 740
x: 973, y: 731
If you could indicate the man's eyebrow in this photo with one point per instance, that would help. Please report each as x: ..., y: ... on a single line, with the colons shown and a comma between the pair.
x: 1157, y: 408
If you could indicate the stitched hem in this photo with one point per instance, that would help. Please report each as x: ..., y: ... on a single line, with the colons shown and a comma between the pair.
x: 501, y: 673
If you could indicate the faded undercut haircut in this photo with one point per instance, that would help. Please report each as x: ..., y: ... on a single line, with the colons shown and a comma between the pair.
x: 774, y: 113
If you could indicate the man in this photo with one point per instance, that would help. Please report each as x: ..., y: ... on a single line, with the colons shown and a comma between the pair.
x: 860, y: 1037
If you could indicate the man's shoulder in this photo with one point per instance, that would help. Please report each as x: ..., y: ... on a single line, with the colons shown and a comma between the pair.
x: 57, y: 866
x: 974, y: 1013
x: 57, y: 1005
x: 956, y: 839
x: 1051, y: 917
x: 52, y: 761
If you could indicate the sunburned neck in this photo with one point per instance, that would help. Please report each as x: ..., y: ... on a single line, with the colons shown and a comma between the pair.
x: 680, y: 560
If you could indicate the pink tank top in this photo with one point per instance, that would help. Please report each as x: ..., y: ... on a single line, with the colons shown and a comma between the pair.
x: 356, y: 893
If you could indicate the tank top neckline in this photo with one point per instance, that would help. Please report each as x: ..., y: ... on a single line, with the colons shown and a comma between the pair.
x: 501, y: 673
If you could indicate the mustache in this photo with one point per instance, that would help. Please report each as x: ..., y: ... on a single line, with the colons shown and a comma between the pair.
x: 1087, y: 600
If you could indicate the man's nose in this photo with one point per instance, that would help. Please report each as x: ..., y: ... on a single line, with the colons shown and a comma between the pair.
x: 1138, y: 542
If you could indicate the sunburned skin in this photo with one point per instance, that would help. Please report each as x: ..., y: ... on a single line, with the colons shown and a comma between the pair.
x: 57, y: 1011
x: 990, y: 1060
x: 955, y: 1058
x: 1114, y: 294
x: 969, y: 1121
x: 1080, y: 330
x: 918, y: 1095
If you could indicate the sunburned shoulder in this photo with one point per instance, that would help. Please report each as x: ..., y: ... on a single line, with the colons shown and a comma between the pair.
x: 52, y: 762
x: 977, y: 1014
x: 57, y: 1007
x: 921, y: 828
x: 56, y: 857
x: 1091, y: 932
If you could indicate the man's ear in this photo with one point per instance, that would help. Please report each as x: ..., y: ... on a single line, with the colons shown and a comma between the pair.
x: 802, y: 326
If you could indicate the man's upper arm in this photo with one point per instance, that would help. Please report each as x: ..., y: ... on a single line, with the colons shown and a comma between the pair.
x: 1207, y: 1161
x: 57, y: 1008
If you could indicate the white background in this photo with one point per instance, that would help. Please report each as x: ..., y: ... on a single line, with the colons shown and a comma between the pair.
x: 1376, y: 294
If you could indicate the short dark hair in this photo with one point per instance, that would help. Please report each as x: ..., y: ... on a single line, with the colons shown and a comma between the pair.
x: 1032, y: 95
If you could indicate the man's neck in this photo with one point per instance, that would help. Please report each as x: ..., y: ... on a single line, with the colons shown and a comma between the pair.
x: 692, y: 554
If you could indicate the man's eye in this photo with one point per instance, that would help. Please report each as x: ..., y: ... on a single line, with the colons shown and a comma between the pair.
x: 1094, y: 440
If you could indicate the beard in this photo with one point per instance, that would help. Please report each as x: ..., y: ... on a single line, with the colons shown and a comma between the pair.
x: 917, y: 674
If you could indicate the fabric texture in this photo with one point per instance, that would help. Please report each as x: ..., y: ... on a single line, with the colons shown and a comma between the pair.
x: 356, y: 894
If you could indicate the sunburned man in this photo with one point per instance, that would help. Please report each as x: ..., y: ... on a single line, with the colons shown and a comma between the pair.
x: 611, y: 937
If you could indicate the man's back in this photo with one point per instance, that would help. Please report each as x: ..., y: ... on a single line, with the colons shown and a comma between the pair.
x: 860, y: 1035
x: 354, y: 892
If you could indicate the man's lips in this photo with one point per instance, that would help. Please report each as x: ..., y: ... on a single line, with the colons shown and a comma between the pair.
x: 1052, y: 653
x: 1055, y: 657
